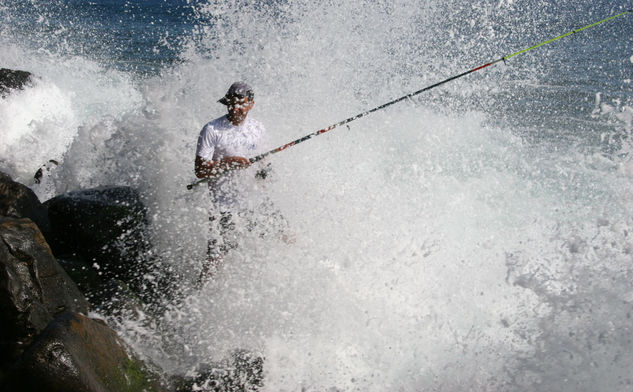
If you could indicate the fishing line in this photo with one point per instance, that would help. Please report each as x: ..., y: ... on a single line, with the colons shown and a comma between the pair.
x: 363, y: 114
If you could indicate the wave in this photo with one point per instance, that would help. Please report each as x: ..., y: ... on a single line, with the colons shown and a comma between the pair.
x: 472, y: 238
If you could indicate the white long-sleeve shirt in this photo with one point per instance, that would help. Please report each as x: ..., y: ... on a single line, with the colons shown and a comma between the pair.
x: 220, y: 139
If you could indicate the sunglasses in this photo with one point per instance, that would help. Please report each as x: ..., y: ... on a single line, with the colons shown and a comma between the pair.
x: 241, y: 97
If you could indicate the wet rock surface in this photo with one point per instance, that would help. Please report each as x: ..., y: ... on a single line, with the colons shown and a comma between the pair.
x: 20, y: 201
x: 78, y: 354
x: 97, y: 239
x: 33, y: 286
x: 103, y: 228
x: 241, y: 371
x: 12, y: 80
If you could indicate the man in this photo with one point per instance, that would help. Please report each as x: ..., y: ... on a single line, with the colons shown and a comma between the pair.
x: 223, y: 147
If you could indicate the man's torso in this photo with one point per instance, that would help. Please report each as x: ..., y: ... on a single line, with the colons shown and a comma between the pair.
x: 219, y: 139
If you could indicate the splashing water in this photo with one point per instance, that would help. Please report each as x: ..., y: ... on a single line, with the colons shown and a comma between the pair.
x: 474, y: 238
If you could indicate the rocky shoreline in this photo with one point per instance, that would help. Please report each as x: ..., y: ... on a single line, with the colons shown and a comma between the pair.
x: 62, y: 260
x: 66, y: 260
x: 13, y: 80
x: 48, y: 340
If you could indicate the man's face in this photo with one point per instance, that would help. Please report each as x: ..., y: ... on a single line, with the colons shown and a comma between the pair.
x: 238, y: 108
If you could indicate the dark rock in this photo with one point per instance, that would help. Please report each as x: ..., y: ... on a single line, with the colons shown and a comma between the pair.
x: 12, y: 80
x: 100, y: 236
x: 19, y: 201
x: 78, y: 354
x: 104, y: 226
x: 242, y: 371
x: 106, y: 294
x: 44, y: 170
x: 33, y: 287
x: 118, y: 300
x: 86, y: 277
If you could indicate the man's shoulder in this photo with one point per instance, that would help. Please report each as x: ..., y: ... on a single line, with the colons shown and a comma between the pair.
x: 253, y: 123
x: 215, y: 125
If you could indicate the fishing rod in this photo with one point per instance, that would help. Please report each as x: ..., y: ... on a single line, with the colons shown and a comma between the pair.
x: 363, y: 114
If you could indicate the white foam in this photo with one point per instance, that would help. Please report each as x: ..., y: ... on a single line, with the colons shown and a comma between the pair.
x: 38, y: 124
x: 42, y: 121
x: 423, y: 236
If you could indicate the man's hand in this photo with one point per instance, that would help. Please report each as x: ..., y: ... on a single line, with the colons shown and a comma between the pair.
x: 235, y: 163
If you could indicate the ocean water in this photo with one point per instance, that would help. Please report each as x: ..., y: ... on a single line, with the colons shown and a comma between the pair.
x: 476, y: 237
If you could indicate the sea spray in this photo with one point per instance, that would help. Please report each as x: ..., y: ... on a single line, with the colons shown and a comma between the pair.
x: 473, y: 238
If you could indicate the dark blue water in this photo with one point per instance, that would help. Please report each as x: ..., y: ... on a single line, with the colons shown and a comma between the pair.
x: 135, y: 36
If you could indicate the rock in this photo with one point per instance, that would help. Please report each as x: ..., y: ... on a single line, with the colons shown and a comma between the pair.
x: 117, y: 300
x: 85, y: 277
x: 100, y: 236
x: 242, y: 371
x: 19, y: 201
x: 44, y: 170
x: 12, y: 80
x: 33, y: 287
x: 104, y: 226
x: 77, y: 354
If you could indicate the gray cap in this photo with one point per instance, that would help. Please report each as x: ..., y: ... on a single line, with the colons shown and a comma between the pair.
x: 239, y: 90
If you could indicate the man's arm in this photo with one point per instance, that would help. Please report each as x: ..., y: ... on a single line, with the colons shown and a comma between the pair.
x: 205, y: 168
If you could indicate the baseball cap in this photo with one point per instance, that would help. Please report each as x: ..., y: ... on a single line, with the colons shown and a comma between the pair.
x: 238, y: 90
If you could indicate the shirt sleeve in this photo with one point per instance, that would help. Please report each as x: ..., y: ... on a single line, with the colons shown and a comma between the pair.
x: 206, y: 145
